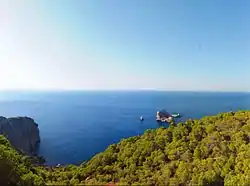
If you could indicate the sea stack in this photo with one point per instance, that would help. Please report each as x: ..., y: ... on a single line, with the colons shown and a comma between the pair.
x: 22, y: 132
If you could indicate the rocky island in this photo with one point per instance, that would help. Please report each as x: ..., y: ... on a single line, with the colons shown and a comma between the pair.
x: 22, y: 133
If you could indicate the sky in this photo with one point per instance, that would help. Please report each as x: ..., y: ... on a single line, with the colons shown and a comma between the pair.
x: 125, y: 45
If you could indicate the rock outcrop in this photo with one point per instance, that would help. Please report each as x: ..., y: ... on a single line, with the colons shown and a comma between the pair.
x: 163, y: 116
x: 22, y: 132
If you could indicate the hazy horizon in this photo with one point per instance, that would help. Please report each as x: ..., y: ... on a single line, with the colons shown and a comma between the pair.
x: 128, y: 45
x: 116, y: 90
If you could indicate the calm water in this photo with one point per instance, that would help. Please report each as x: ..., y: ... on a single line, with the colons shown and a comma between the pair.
x: 76, y: 125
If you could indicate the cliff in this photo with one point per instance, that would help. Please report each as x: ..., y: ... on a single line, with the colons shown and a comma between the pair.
x: 22, y: 132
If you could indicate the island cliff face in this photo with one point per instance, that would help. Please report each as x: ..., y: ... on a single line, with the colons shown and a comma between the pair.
x: 22, y: 132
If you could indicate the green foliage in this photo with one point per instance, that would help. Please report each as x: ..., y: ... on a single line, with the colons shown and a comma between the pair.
x: 214, y: 150
x: 16, y: 169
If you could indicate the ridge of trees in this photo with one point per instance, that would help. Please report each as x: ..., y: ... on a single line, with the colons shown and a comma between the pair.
x: 214, y: 150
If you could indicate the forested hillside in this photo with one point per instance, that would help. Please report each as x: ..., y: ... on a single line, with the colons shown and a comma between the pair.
x: 214, y: 150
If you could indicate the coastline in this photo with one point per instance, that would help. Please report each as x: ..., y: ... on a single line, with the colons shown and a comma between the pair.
x: 182, y: 153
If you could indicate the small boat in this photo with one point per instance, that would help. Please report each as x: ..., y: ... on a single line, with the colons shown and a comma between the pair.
x: 176, y: 115
x: 141, y: 118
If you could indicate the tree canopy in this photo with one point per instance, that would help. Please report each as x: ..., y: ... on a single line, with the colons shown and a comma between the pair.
x: 214, y: 150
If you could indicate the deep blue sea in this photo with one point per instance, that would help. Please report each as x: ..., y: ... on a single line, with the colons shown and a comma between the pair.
x: 76, y: 125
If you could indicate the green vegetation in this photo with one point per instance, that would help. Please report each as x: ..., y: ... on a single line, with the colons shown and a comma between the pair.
x: 16, y: 169
x: 214, y: 150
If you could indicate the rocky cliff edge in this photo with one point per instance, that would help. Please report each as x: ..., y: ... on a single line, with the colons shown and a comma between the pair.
x: 22, y: 132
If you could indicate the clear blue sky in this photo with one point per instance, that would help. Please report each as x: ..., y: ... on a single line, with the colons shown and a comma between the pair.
x: 125, y: 44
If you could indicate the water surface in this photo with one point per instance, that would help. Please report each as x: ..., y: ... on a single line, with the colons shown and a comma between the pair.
x: 76, y: 125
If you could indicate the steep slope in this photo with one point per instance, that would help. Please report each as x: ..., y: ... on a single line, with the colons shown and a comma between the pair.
x: 214, y: 150
x: 16, y: 169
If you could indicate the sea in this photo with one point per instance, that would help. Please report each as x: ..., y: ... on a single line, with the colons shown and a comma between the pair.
x: 76, y: 125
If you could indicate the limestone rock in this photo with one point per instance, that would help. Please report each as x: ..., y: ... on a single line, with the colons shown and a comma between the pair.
x: 22, y: 132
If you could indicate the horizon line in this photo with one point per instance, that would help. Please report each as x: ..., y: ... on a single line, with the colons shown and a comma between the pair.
x: 118, y: 90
